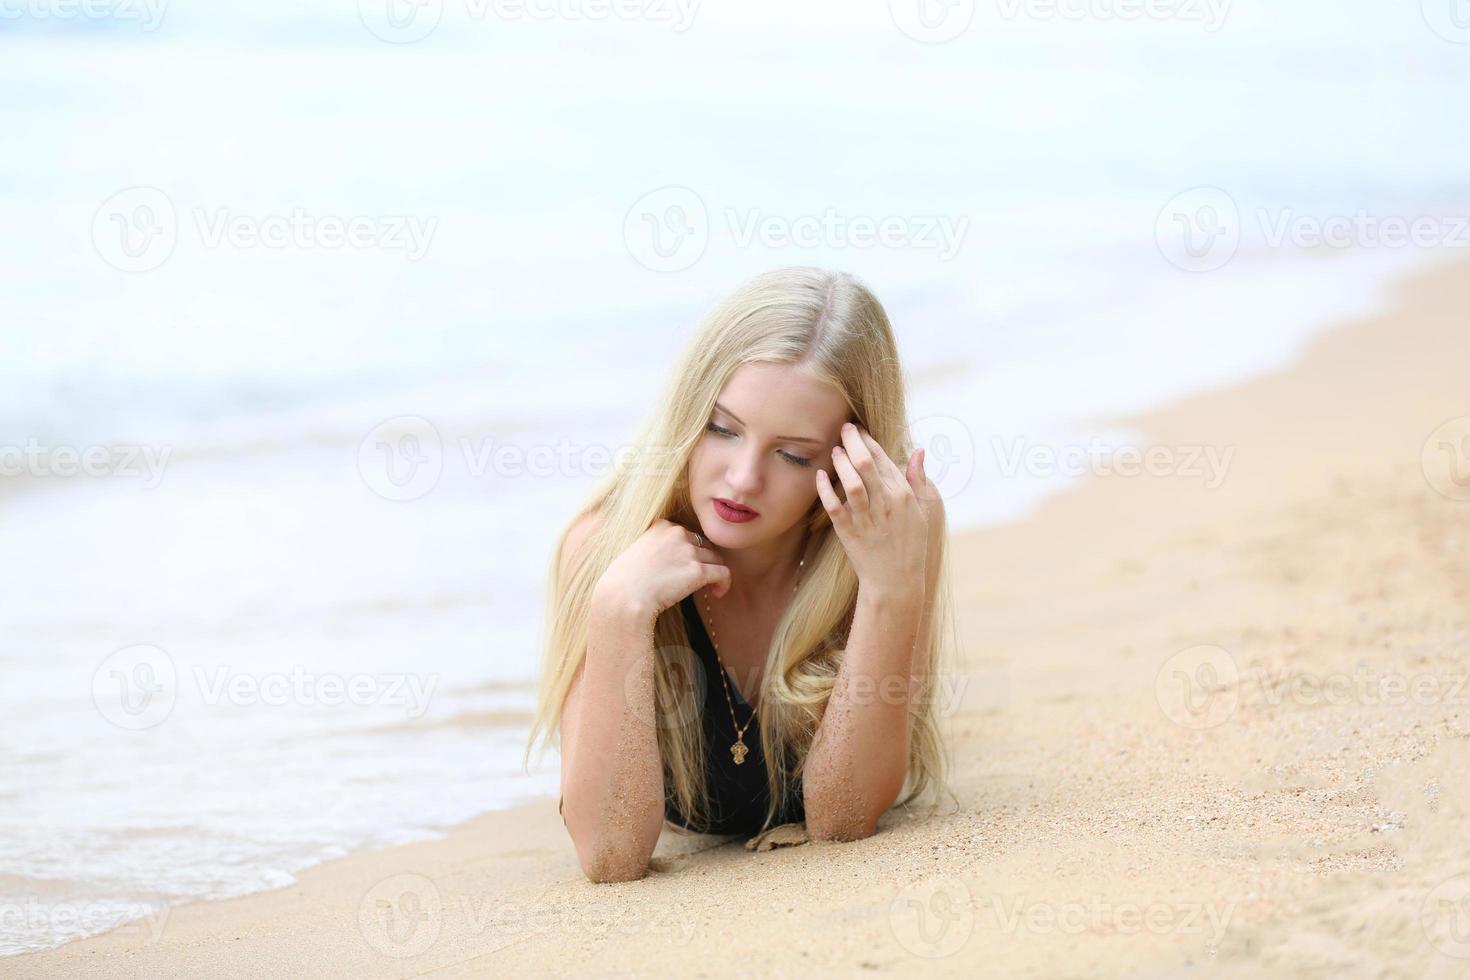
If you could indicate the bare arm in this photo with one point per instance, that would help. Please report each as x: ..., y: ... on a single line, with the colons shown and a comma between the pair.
x: 611, y: 770
x: 612, y: 774
x: 859, y: 757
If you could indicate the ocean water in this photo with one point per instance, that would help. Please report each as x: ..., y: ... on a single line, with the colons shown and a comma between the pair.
x: 293, y: 608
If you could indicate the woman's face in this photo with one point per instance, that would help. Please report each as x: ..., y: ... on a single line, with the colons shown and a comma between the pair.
x: 772, y: 428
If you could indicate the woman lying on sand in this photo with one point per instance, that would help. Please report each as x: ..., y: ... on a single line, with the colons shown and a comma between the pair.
x: 717, y: 659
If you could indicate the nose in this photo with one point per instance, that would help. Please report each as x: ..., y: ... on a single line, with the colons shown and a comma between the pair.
x: 744, y: 473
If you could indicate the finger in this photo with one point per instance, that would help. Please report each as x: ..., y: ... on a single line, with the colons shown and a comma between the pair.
x: 889, y: 470
x: 926, y: 488
x: 914, y: 472
x: 852, y: 482
x: 717, y: 577
x: 834, y: 507
x: 863, y: 463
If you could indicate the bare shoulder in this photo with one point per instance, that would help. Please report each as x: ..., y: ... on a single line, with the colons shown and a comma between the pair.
x: 576, y: 540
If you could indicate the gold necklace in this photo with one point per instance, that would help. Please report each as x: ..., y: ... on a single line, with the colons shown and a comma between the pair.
x: 739, y: 749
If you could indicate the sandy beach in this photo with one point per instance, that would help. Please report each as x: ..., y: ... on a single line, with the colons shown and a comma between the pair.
x: 1214, y: 728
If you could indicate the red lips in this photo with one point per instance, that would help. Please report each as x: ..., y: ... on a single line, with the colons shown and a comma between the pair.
x: 732, y: 512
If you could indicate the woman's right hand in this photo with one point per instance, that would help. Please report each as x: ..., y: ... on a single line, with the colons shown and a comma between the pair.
x: 659, y: 569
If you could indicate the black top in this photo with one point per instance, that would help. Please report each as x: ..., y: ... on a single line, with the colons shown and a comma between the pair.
x: 738, y: 793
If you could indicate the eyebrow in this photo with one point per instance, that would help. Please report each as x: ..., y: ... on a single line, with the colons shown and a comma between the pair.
x: 815, y: 442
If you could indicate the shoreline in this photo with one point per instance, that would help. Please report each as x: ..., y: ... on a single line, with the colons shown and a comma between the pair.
x: 1318, y: 555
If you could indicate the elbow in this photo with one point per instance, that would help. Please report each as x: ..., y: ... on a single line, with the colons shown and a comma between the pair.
x: 841, y: 830
x: 607, y: 869
x: 832, y: 817
x: 826, y: 821
x: 606, y: 858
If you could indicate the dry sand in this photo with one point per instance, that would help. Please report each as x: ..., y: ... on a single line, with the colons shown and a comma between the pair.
x: 1203, y: 730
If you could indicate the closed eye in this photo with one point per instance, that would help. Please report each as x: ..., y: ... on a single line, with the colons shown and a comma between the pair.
x: 798, y: 460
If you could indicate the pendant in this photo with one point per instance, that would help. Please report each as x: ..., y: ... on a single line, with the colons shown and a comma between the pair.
x: 738, y: 750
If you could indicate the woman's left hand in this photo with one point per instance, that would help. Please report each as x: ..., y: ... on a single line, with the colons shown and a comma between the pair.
x: 886, y: 521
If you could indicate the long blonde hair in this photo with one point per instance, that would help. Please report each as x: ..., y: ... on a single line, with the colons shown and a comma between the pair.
x: 831, y: 326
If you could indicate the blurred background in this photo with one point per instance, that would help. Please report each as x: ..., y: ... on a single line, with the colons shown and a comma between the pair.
x: 320, y: 318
